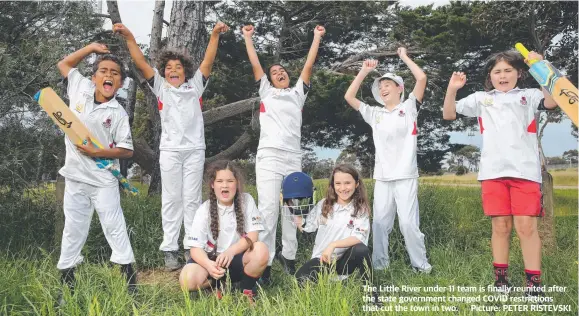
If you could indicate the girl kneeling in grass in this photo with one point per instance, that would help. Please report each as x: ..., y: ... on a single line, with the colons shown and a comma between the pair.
x: 225, y: 230
x: 343, y: 223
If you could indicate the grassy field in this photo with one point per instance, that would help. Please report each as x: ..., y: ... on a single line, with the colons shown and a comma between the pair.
x: 561, y: 177
x: 457, y: 240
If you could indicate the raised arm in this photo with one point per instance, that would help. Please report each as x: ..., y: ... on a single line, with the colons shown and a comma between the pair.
x: 211, y: 51
x: 457, y: 81
x: 248, y: 31
x: 70, y: 61
x: 350, y: 96
x: 134, y: 50
x: 319, y: 31
x: 417, y: 72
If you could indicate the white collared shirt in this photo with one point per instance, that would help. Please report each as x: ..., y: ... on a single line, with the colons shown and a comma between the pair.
x: 395, y: 138
x: 339, y: 225
x: 509, y: 132
x: 108, y: 123
x: 202, y: 237
x: 181, y: 114
x: 280, y: 116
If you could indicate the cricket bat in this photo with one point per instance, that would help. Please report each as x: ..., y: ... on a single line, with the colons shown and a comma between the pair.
x: 560, y: 88
x: 76, y: 131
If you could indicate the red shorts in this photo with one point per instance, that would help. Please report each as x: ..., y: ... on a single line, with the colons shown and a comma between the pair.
x: 511, y: 196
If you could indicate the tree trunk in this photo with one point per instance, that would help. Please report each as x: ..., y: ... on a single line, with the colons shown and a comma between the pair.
x: 125, y: 164
x: 156, y: 30
x: 131, y: 100
x: 547, y: 225
x: 186, y: 33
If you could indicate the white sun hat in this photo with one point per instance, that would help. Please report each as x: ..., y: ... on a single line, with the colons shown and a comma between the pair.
x: 376, y: 86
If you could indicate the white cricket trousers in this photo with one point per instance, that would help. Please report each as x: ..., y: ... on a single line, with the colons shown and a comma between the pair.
x: 391, y: 197
x: 80, y: 200
x: 181, y: 179
x: 271, y: 166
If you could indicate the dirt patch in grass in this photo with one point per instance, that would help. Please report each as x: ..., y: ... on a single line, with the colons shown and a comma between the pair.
x: 159, y: 276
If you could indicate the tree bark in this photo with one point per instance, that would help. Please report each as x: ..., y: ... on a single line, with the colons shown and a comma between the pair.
x: 186, y: 33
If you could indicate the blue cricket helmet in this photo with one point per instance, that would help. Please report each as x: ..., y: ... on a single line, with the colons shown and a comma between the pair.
x: 297, y: 185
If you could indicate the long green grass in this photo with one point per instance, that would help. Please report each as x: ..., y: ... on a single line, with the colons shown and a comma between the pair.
x: 457, y: 238
x: 561, y: 177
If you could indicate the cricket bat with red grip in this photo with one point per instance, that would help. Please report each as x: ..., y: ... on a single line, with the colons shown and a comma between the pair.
x: 560, y: 88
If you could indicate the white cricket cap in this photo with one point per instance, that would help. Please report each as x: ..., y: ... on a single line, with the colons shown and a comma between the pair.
x: 376, y: 86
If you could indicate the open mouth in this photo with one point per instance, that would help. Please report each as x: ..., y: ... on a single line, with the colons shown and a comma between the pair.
x: 174, y: 78
x: 108, y: 86
x: 281, y: 78
x: 225, y: 193
x: 503, y: 82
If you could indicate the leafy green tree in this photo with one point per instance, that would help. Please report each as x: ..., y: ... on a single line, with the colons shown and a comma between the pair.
x: 34, y: 36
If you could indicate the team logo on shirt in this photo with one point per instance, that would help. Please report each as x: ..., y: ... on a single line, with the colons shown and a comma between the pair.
x: 79, y: 107
x: 523, y: 101
x: 401, y: 113
x: 256, y: 220
x: 350, y: 224
x: 361, y: 231
x: 488, y: 102
x: 107, y: 122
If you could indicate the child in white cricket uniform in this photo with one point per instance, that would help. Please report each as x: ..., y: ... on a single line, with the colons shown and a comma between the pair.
x: 279, y: 150
x: 510, y: 168
x: 182, y: 143
x: 342, y: 220
x: 224, y: 236
x: 86, y: 186
x: 396, y: 171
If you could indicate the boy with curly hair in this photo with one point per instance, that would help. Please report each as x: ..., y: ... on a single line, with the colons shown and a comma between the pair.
x: 182, y: 145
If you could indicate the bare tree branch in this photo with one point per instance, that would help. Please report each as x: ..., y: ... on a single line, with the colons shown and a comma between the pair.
x: 220, y: 113
x: 234, y: 150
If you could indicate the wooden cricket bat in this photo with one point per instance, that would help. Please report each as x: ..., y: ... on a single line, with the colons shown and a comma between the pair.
x: 76, y: 131
x: 560, y: 88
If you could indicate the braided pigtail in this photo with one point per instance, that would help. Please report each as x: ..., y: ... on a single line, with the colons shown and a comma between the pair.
x: 214, y: 215
x: 240, y: 218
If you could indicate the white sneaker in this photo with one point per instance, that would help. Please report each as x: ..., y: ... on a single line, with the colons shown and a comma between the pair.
x: 338, y: 278
x: 419, y: 270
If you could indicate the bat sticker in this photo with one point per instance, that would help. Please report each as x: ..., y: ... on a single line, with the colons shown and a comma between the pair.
x: 61, y: 120
x: 569, y: 94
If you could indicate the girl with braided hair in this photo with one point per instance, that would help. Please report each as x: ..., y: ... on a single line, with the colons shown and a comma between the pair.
x: 224, y: 238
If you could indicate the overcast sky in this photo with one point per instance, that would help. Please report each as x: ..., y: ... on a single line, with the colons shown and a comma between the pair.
x: 138, y: 15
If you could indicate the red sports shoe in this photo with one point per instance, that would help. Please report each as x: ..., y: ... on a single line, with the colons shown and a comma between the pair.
x: 250, y: 296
